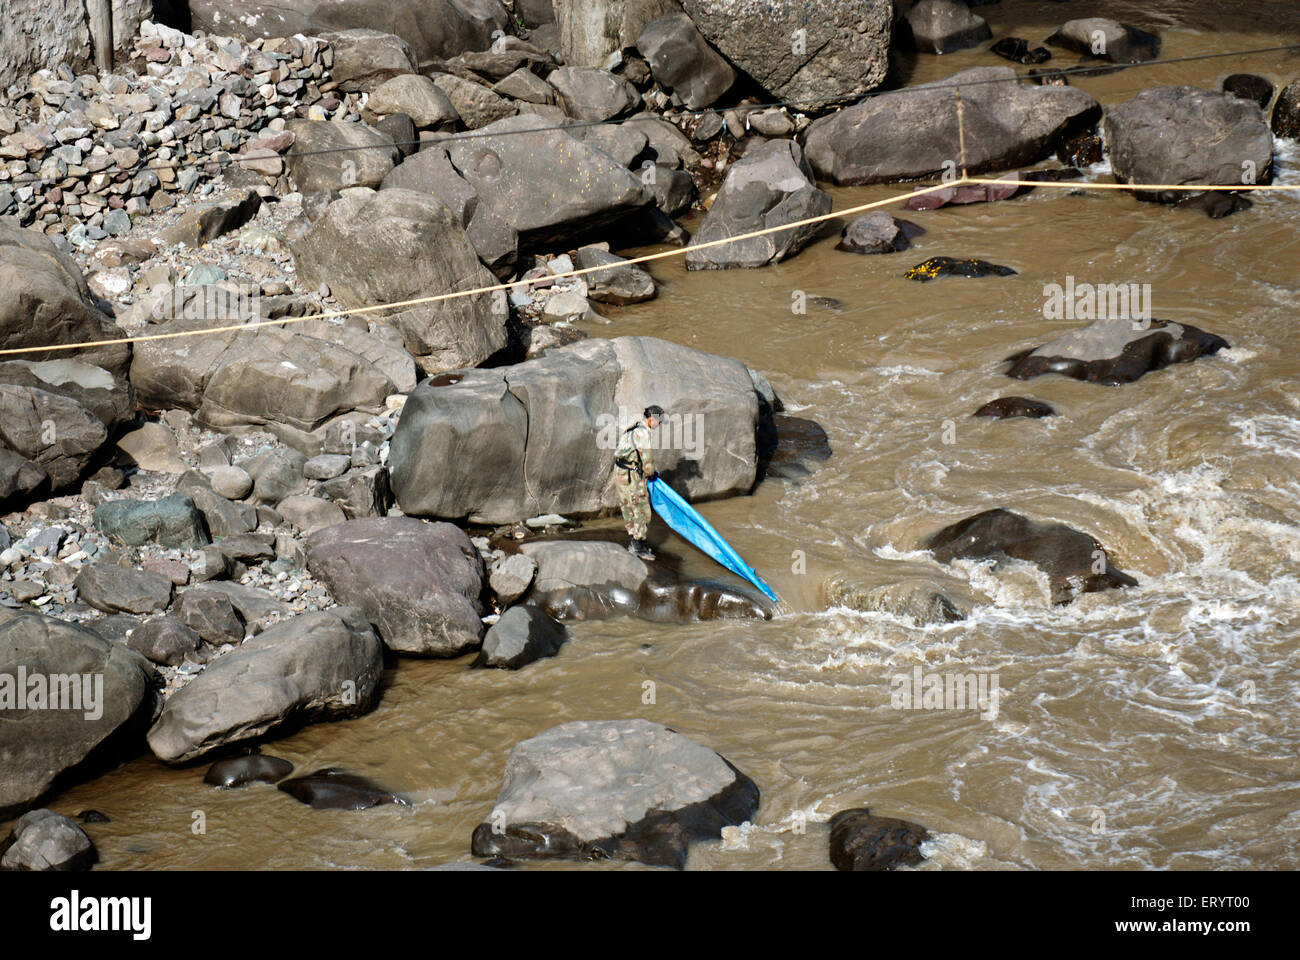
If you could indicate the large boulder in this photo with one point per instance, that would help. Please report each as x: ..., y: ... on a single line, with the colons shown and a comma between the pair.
x: 1107, y: 40
x: 615, y: 789
x: 592, y: 95
x: 810, y: 56
x: 504, y: 444
x: 38, y: 743
x: 913, y: 133
x: 419, y: 583
x: 1116, y: 350
x: 1074, y: 562
x: 548, y: 185
x: 58, y: 414
x: 45, y: 840
x: 476, y: 103
x: 172, y: 521
x: 772, y: 185
x: 1180, y: 135
x: 47, y: 302
x: 316, y: 666
x: 335, y: 155
x: 683, y: 61
x: 396, y: 245
x: 417, y: 97
x: 591, y: 30
x: 113, y: 589
x: 522, y: 635
x: 435, y: 29
x: 364, y: 58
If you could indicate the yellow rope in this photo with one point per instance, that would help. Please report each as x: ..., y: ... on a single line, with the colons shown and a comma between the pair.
x: 646, y: 258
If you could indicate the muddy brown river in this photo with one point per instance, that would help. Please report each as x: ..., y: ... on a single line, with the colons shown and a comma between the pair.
x: 1154, y: 727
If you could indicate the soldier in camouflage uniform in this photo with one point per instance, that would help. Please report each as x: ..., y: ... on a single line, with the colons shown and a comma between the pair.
x: 633, y: 466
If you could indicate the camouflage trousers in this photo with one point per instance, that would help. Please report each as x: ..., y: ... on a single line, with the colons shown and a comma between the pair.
x: 635, y: 501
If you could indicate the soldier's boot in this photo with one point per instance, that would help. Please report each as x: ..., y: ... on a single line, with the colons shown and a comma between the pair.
x: 640, y: 549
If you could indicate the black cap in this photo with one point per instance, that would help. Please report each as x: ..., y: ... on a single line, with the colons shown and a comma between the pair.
x: 654, y: 411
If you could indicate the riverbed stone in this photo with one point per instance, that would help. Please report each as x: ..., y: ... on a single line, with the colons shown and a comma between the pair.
x: 1116, y: 350
x: 522, y: 635
x: 172, y: 521
x: 859, y: 840
x: 164, y: 640
x: 113, y: 589
x: 45, y: 840
x: 617, y: 789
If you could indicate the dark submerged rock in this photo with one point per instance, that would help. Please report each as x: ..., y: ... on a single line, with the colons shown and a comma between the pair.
x: 1019, y: 51
x: 1005, y: 408
x: 1113, y: 352
x: 949, y: 267
x: 619, y: 789
x: 522, y: 635
x: 1069, y: 558
x: 1249, y: 86
x: 1215, y: 204
x: 334, y: 789
x: 254, y: 768
x: 862, y: 841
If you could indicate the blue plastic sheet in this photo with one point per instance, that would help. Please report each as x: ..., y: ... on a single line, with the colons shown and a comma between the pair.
x: 687, y: 522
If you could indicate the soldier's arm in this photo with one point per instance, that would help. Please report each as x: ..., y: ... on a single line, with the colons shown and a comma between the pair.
x: 645, y: 445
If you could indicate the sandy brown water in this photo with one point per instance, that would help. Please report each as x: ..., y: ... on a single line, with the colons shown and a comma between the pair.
x: 1152, y: 727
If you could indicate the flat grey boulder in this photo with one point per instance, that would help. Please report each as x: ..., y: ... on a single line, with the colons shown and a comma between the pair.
x: 811, y: 54
x: 522, y: 635
x: 317, y: 666
x: 913, y: 133
x: 334, y: 155
x: 476, y: 103
x: 504, y: 444
x: 37, y: 744
x: 617, y: 789
x: 877, y: 232
x: 45, y: 840
x: 164, y: 640
x: 621, y: 284
x: 365, y: 58
x: 547, y: 184
x: 419, y: 583
x: 683, y: 61
x: 113, y: 589
x: 397, y: 245
x: 511, y: 577
x: 770, y: 186
x: 1116, y: 350
x: 1182, y: 135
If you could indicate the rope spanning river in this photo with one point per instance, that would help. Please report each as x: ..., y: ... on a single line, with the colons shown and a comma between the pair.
x: 1151, y: 727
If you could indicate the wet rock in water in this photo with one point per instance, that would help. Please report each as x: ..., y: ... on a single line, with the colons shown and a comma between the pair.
x: 1114, y: 352
x: 1249, y: 86
x: 917, y: 599
x: 943, y: 26
x: 683, y: 62
x: 861, y: 841
x: 846, y: 45
x: 772, y: 185
x: 503, y: 444
x: 621, y: 284
x: 93, y: 816
x: 38, y: 744
x: 522, y: 635
x: 1081, y: 150
x: 878, y: 232
x: 45, y: 840
x: 333, y: 789
x: 419, y: 583
x: 912, y: 133
x: 584, y: 579
x: 234, y: 772
x: 1074, y: 562
x: 1215, y: 204
x: 1005, y: 408
x: 1186, y: 135
x: 165, y: 641
x: 170, y: 522
x: 316, y: 666
x: 619, y: 789
x: 113, y: 589
x: 800, y: 447
x: 949, y: 267
x: 972, y: 193
x: 1018, y: 50
x: 1107, y: 40
x: 1286, y: 112
x: 667, y: 599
